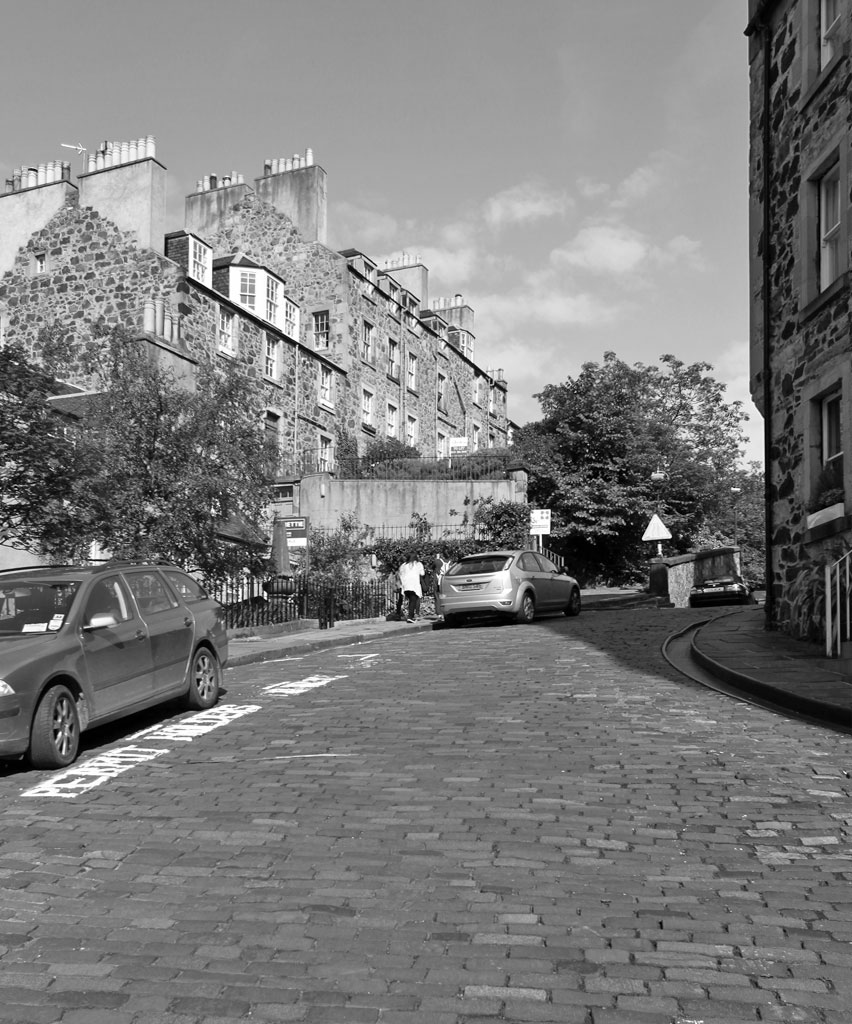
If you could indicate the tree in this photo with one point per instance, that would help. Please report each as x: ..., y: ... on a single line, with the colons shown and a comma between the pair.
x: 37, y: 457
x: 602, y: 436
x: 164, y: 469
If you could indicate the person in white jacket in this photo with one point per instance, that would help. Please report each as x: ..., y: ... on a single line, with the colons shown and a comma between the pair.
x: 410, y: 577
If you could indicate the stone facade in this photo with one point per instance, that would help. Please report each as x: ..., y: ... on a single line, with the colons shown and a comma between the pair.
x: 801, y: 357
x: 357, y: 355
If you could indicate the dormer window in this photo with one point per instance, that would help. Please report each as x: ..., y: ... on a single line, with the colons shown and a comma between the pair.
x: 262, y: 293
x: 200, y: 261
x: 248, y: 288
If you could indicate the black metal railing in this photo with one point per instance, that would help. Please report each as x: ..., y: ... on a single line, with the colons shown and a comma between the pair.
x: 247, y: 603
x: 475, y: 466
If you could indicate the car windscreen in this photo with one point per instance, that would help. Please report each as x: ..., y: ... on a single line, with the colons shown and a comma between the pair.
x: 480, y: 564
x: 35, y: 607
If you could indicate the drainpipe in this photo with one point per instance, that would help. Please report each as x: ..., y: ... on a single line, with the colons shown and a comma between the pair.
x: 767, y: 324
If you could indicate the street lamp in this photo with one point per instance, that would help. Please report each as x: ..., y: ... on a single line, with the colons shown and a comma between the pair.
x: 735, y: 491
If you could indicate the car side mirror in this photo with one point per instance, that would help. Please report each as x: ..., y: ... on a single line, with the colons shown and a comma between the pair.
x: 101, y: 621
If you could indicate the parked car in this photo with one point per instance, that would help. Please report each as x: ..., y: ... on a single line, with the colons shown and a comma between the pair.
x: 517, y: 584
x: 721, y: 590
x: 84, y: 645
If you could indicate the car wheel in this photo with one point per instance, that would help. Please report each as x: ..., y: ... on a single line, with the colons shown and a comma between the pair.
x: 574, y: 602
x: 55, y: 734
x: 526, y: 612
x: 204, y: 673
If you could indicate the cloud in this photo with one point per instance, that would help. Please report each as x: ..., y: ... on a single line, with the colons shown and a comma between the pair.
x: 603, y: 248
x: 524, y: 203
x: 617, y: 249
x: 645, y: 180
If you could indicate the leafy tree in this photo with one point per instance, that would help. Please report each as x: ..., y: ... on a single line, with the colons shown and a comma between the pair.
x: 388, y: 448
x: 38, y: 459
x: 337, y: 556
x: 602, y: 436
x: 501, y: 524
x: 165, y: 468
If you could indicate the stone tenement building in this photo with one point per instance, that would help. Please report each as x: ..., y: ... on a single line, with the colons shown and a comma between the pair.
x: 337, y: 346
x: 801, y: 355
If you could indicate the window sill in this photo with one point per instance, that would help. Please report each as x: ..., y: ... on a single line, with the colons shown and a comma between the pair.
x: 394, y: 378
x: 226, y: 354
x: 273, y: 380
x: 824, y: 530
x: 368, y: 428
x: 413, y: 391
x: 325, y: 405
x: 837, y: 287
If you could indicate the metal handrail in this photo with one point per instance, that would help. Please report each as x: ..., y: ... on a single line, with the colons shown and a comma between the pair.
x: 838, y: 604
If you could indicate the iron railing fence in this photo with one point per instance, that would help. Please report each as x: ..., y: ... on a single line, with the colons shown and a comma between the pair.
x: 838, y: 605
x: 247, y: 604
x: 475, y: 466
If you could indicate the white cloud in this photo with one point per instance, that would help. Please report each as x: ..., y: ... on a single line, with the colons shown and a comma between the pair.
x: 603, y: 248
x: 646, y: 180
x: 524, y: 203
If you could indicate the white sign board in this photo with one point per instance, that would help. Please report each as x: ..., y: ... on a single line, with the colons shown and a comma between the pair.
x: 539, y: 521
x: 458, y: 444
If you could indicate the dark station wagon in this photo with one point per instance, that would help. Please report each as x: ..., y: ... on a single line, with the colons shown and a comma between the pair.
x: 84, y: 645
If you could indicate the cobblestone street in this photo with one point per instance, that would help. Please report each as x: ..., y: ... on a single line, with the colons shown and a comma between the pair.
x: 494, y: 823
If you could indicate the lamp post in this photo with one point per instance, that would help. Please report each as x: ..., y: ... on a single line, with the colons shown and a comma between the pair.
x: 735, y: 492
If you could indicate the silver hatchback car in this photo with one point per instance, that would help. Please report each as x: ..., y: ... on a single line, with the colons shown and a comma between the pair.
x: 517, y: 584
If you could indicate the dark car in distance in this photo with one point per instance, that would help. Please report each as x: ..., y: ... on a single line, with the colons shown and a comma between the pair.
x: 81, y: 646
x: 730, y: 589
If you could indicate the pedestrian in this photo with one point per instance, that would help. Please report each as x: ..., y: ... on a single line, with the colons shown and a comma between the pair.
x: 411, y: 574
x: 442, y: 563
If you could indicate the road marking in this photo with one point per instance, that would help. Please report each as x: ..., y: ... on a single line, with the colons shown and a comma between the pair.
x: 286, y: 689
x: 359, y: 657
x: 87, y: 774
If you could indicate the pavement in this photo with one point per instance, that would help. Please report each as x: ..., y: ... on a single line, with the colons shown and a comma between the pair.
x: 732, y: 647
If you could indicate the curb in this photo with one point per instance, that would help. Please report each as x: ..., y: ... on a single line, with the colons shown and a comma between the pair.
x: 320, y: 644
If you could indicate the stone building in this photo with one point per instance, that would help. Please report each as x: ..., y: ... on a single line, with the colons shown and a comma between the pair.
x: 339, y: 348
x: 800, y: 351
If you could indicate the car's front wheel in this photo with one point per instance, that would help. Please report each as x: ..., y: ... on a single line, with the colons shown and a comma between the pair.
x: 55, y: 734
x: 574, y: 602
x: 526, y: 612
x: 203, y: 691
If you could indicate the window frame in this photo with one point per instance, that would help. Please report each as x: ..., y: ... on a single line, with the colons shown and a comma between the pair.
x: 326, y: 386
x: 824, y: 246
x: 412, y: 431
x: 368, y: 400
x: 326, y: 333
x: 273, y: 343
x: 229, y: 346
x: 368, y: 341
x: 391, y: 420
x: 200, y: 261
x: 393, y: 358
x: 411, y: 371
x: 325, y: 453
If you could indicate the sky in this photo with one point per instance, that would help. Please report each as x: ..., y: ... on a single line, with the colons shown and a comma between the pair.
x: 577, y: 170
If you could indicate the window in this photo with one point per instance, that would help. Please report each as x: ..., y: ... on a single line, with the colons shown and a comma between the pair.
x: 824, y: 206
x: 321, y: 328
x: 325, y: 459
x: 150, y: 592
x: 412, y: 372
x: 443, y: 445
x: 367, y: 341
x: 273, y: 289
x: 291, y: 319
x: 477, y: 391
x: 272, y: 428
x: 199, y: 261
x: 39, y: 263
x: 412, y: 431
x: 107, y: 597
x: 393, y: 359
x: 491, y: 393
x: 832, y: 445
x: 442, y: 392
x: 188, y: 588
x: 248, y: 285
x: 326, y: 387
x: 476, y: 432
x: 366, y: 408
x: 272, y: 358
x: 829, y: 226
x: 829, y: 23
x: 225, y: 332
x: 392, y: 422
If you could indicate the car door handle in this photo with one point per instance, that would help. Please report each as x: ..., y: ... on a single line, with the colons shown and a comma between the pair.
x: 187, y: 621
x: 141, y: 634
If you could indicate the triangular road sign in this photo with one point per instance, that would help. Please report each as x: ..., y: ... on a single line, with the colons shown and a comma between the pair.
x: 656, y: 530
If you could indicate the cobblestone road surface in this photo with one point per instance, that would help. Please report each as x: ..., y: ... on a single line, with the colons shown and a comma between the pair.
x: 540, y: 823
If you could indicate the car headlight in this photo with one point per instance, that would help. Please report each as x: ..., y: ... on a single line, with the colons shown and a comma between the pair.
x: 5, y: 689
